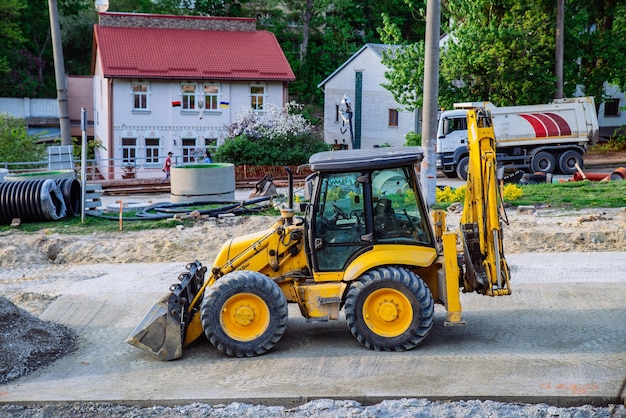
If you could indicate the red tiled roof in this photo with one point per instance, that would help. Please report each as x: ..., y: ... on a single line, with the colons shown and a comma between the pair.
x: 131, y: 52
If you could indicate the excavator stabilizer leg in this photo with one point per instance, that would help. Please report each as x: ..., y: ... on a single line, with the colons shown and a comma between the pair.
x: 160, y: 331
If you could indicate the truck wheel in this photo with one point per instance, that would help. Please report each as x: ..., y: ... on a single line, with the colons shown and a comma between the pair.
x: 244, y: 314
x: 389, y: 309
x: 543, y: 161
x: 568, y: 161
x: 461, y: 168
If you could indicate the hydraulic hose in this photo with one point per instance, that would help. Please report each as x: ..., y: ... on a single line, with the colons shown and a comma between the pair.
x: 31, y: 201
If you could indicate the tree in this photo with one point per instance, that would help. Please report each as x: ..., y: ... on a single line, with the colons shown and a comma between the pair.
x: 15, y: 143
x: 406, y: 63
x: 499, y: 51
x: 10, y: 33
x: 596, y: 44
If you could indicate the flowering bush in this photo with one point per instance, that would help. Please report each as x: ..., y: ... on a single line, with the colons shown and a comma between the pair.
x: 447, y: 194
x: 273, y: 122
x: 276, y: 136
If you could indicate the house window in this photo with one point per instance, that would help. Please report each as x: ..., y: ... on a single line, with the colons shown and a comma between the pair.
x: 188, y: 92
x: 256, y: 97
x: 152, y: 150
x: 336, y: 113
x: 129, y: 151
x: 393, y: 117
x: 211, y: 96
x: 189, y: 150
x: 140, y: 95
x: 611, y: 107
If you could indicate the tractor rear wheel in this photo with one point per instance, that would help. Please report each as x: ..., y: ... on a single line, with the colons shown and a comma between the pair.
x: 244, y: 314
x: 389, y: 309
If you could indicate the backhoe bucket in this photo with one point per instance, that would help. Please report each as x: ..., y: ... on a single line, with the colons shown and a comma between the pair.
x: 160, y: 332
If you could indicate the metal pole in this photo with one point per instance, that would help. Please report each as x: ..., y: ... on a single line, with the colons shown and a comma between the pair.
x: 59, y: 70
x: 83, y: 163
x: 559, y: 47
x: 428, y: 172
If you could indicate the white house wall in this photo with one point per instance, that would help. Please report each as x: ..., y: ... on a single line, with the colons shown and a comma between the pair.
x: 164, y: 121
x: 376, y: 102
x: 614, y: 122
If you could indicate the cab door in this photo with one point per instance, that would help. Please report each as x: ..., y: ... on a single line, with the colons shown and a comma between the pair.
x: 338, y: 225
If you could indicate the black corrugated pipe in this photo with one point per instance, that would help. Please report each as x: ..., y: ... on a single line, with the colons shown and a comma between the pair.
x: 31, y: 201
x: 70, y: 188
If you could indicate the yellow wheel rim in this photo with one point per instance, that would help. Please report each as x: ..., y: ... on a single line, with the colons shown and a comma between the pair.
x: 244, y: 317
x: 387, y: 312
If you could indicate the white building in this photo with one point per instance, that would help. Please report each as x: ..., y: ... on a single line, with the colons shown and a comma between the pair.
x: 377, y: 119
x: 174, y: 83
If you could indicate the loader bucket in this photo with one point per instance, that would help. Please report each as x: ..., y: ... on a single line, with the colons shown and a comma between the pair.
x: 160, y: 332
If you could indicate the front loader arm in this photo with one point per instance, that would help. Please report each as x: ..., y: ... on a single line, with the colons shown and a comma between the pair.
x: 174, y: 321
x: 481, y: 234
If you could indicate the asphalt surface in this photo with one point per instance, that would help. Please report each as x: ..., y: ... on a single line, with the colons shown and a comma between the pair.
x: 560, y: 338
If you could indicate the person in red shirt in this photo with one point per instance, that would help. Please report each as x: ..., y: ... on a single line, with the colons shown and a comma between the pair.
x: 167, y: 166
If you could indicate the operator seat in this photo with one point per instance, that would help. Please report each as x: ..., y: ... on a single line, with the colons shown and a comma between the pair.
x: 383, y: 218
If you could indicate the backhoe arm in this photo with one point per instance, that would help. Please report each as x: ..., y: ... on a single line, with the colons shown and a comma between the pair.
x: 481, y: 234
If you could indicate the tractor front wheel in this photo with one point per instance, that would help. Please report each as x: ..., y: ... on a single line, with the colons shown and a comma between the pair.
x: 244, y: 314
x: 389, y: 309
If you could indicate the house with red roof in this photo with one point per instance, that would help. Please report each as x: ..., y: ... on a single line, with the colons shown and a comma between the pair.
x: 167, y: 83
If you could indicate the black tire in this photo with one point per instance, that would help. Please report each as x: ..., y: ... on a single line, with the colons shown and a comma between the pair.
x: 543, y: 162
x: 244, y: 314
x: 461, y: 168
x: 568, y: 161
x: 389, y: 309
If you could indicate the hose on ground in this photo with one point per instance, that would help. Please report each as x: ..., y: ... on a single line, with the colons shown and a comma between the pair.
x: 164, y: 210
x: 31, y: 201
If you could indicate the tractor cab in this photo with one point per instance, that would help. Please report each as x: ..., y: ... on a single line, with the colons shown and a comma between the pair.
x: 362, y: 199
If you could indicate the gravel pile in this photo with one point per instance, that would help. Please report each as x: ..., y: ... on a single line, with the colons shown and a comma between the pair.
x: 28, y: 343
x: 323, y: 408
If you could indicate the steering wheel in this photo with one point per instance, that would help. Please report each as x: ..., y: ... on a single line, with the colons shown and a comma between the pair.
x: 339, y: 213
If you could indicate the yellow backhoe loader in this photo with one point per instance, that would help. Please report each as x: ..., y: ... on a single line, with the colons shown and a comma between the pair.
x: 366, y: 244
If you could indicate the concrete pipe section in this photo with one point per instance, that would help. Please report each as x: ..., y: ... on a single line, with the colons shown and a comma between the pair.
x: 202, y: 182
x: 56, y: 174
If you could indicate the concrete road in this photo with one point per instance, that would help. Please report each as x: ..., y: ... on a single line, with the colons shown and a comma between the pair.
x: 559, y: 339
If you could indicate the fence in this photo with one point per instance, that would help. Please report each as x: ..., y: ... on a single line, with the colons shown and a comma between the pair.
x: 116, y: 169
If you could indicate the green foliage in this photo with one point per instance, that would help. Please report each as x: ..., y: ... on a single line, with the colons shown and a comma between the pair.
x: 412, y: 139
x: 282, y: 150
x: 406, y: 77
x: 501, y: 52
x: 10, y: 33
x: 596, y: 31
x: 15, y: 143
x: 92, y: 146
x: 577, y: 194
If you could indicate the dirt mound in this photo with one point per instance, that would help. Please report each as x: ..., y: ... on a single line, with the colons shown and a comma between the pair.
x: 29, y: 343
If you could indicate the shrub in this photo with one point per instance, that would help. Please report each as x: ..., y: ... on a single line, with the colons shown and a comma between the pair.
x: 283, y: 150
x: 412, y: 138
x: 276, y: 136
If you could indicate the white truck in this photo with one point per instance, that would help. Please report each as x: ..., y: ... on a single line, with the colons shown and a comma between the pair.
x: 536, y: 138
